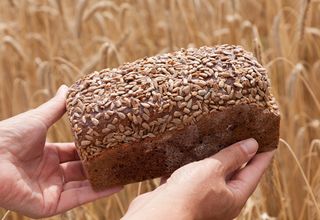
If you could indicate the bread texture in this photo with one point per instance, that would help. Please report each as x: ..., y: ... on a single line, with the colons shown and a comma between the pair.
x: 149, y: 117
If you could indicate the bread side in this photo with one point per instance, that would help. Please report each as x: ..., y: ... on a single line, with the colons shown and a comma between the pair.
x: 160, y: 156
x: 128, y: 119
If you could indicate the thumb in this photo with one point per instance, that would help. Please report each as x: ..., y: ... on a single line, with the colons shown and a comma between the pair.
x: 234, y: 156
x: 52, y: 110
x: 244, y: 182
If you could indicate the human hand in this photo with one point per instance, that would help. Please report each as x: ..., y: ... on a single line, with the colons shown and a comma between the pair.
x: 40, y: 179
x: 214, y: 188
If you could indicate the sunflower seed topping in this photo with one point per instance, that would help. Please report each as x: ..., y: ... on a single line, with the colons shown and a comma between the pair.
x: 150, y: 96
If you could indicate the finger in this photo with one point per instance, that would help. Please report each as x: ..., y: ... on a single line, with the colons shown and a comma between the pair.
x: 52, y: 110
x: 66, y: 151
x: 78, y: 196
x: 76, y: 184
x: 246, y: 180
x: 234, y: 156
x: 73, y: 171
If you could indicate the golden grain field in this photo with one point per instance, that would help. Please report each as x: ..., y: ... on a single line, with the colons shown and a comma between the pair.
x: 45, y: 43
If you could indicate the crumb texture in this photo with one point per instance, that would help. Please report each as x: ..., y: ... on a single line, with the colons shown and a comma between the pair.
x: 155, y: 96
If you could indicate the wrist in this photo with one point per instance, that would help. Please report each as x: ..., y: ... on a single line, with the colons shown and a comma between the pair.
x: 164, y: 206
x: 159, y: 213
x: 170, y: 211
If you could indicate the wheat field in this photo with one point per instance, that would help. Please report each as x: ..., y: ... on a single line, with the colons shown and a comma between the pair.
x: 46, y: 43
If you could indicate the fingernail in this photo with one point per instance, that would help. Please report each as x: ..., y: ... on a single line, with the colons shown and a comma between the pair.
x: 250, y: 146
x: 62, y: 89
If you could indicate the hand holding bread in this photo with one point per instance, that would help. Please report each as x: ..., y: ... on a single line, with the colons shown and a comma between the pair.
x: 40, y: 179
x: 213, y: 188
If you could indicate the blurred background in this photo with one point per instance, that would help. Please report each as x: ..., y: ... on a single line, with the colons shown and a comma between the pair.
x: 46, y: 43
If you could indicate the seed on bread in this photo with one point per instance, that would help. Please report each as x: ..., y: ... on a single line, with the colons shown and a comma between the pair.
x: 163, y: 93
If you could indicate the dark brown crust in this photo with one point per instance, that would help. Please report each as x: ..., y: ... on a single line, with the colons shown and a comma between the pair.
x: 146, y: 118
x: 159, y: 156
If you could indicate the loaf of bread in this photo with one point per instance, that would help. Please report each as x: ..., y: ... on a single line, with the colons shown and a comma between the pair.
x: 149, y: 117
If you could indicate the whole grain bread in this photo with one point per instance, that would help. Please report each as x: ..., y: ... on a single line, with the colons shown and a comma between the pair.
x: 149, y: 117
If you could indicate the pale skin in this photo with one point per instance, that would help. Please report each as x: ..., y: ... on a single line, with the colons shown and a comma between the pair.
x: 214, y: 188
x: 40, y: 179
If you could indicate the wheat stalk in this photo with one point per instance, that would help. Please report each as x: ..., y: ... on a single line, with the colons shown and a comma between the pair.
x: 120, y: 205
x: 10, y: 41
x: 78, y: 18
x: 99, y: 6
x: 309, y: 189
x: 5, y: 215
x: 305, y: 5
